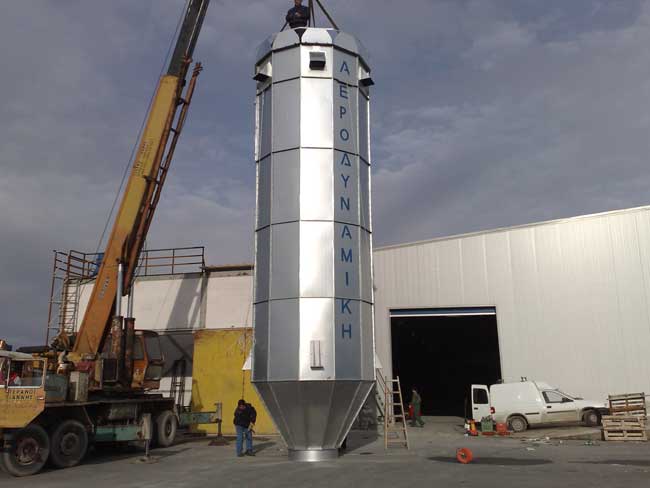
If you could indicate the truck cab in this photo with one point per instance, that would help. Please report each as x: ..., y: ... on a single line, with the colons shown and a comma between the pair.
x: 22, y: 386
x: 530, y: 403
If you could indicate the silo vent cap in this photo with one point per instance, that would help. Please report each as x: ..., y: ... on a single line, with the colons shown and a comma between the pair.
x: 317, y: 60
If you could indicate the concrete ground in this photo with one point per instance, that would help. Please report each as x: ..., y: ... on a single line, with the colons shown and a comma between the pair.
x: 530, y: 461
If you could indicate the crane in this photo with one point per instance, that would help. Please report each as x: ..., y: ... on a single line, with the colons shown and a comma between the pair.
x: 93, y: 386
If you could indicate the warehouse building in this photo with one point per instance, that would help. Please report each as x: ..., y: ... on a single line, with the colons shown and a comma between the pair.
x: 565, y: 301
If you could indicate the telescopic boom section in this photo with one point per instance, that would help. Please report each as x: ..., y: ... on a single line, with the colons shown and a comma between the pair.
x: 143, y: 187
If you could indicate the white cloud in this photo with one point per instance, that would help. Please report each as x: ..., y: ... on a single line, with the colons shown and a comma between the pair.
x: 485, y: 114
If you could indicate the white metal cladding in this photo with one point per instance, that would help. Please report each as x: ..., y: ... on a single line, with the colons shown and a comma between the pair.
x: 572, y: 296
x: 313, y: 240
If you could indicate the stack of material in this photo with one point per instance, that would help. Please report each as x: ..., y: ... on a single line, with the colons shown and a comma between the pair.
x: 627, y: 421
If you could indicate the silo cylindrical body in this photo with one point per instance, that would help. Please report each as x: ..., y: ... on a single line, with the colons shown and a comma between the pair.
x: 313, y: 356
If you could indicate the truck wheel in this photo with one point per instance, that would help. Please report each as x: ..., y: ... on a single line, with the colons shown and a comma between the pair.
x: 69, y: 444
x: 517, y: 423
x: 591, y: 418
x: 28, y: 451
x: 166, y: 427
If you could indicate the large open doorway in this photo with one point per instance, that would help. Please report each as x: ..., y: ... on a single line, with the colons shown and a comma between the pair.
x: 443, y: 352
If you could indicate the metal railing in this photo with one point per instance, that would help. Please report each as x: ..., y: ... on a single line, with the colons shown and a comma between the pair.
x: 73, y: 269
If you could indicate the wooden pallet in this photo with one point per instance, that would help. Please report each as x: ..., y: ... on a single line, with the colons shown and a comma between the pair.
x: 619, y: 428
x: 628, y: 404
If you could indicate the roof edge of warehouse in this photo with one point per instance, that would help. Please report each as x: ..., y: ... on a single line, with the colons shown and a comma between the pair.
x: 504, y: 229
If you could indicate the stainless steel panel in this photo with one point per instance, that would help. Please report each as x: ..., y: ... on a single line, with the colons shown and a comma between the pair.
x: 286, y: 64
x: 284, y: 340
x: 265, y: 47
x: 285, y: 268
x: 316, y: 259
x: 366, y: 263
x: 317, y: 36
x: 265, y: 391
x: 285, y: 198
x: 347, y: 42
x: 346, y: 68
x: 286, y: 115
x: 355, y: 405
x: 262, y: 264
x: 261, y: 350
x: 364, y: 128
x: 347, y: 261
x: 304, y: 62
x: 316, y: 397
x: 263, y: 192
x: 365, y: 196
x: 316, y: 184
x: 292, y: 407
x: 347, y: 333
x: 316, y: 319
x: 347, y: 400
x: 265, y: 117
x: 346, y: 188
x: 264, y: 68
x: 314, y: 455
x: 285, y: 38
x: 316, y: 113
x: 367, y: 355
x: 346, y: 118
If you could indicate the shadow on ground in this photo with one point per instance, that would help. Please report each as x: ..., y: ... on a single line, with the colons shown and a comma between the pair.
x: 358, y: 439
x: 620, y: 462
x: 495, y: 461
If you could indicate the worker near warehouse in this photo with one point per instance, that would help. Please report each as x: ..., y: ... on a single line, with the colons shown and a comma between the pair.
x: 298, y: 16
x: 416, y: 403
x: 245, y: 417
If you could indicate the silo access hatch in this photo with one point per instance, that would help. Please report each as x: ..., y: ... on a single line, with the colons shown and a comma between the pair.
x: 443, y: 352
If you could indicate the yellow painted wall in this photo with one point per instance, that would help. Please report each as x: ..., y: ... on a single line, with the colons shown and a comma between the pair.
x: 217, y: 376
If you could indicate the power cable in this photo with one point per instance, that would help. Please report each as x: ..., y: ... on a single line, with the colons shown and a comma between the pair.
x: 142, y: 125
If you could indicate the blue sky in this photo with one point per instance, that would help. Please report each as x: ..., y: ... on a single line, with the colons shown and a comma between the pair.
x: 486, y: 113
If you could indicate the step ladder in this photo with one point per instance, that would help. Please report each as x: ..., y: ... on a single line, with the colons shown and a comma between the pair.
x: 69, y: 305
x: 395, y: 431
x: 177, y: 386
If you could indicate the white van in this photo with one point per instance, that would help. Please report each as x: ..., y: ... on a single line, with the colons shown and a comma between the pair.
x: 530, y: 403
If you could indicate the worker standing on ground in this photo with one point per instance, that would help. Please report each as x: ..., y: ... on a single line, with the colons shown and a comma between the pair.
x: 416, y: 403
x: 245, y: 417
x: 298, y: 16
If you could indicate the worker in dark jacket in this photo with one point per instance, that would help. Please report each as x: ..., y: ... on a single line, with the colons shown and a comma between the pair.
x: 416, y: 403
x: 298, y: 16
x: 245, y: 417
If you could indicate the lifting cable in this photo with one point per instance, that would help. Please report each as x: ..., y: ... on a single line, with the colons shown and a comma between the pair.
x: 142, y: 125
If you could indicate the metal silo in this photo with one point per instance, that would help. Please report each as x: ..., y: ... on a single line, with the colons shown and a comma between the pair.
x: 313, y: 359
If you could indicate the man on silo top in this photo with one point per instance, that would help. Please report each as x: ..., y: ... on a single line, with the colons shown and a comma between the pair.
x: 298, y: 16
x: 416, y: 403
x: 245, y: 417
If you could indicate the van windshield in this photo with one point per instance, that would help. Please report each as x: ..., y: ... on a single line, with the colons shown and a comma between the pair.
x: 571, y: 397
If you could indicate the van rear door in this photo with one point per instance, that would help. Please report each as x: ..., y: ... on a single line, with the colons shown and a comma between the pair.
x: 480, y: 401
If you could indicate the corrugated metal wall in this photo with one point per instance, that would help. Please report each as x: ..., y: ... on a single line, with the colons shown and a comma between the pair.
x: 572, y: 296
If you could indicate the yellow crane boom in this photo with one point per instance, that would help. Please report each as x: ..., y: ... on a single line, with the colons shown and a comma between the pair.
x: 142, y: 190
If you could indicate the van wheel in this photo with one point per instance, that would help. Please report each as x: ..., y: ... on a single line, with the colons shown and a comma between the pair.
x: 166, y: 427
x: 28, y: 451
x: 69, y: 444
x: 517, y: 423
x: 591, y: 418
